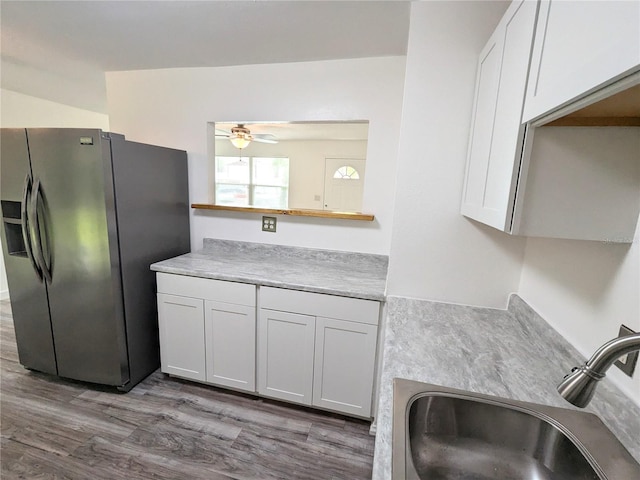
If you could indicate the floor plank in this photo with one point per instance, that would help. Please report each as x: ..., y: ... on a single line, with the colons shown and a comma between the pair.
x: 165, y: 429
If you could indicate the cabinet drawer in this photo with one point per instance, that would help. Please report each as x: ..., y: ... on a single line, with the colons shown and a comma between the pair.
x: 317, y: 304
x: 207, y: 289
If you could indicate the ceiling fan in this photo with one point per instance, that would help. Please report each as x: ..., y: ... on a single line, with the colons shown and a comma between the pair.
x: 240, y: 136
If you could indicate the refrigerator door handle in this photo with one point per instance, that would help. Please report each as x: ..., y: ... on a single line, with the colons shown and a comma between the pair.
x: 26, y: 234
x: 37, y: 232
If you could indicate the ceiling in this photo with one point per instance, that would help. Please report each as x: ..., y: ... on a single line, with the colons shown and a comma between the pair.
x: 75, y: 42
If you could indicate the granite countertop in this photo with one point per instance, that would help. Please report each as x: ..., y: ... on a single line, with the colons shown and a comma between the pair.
x: 510, y: 353
x: 347, y: 274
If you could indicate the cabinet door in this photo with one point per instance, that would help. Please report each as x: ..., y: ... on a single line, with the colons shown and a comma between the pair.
x: 230, y: 332
x: 344, y: 365
x: 495, y: 145
x: 181, y: 324
x: 285, y: 355
x: 580, y: 47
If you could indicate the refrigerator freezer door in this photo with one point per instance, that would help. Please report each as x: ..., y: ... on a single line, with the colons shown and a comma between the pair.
x: 28, y: 292
x: 152, y: 204
x: 77, y: 225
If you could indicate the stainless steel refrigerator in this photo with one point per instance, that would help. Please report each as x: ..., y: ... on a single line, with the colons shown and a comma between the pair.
x: 84, y: 214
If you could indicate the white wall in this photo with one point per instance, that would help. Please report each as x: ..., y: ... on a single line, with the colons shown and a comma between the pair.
x: 585, y: 290
x: 172, y: 107
x: 20, y: 110
x: 436, y: 253
x: 62, y: 80
x: 306, y: 163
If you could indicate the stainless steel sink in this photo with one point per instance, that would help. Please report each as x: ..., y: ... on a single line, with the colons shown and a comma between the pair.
x: 444, y: 433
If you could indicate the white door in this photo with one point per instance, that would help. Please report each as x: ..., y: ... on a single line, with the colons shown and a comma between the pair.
x: 181, y: 325
x: 345, y: 356
x: 285, y: 355
x: 343, y: 184
x: 230, y: 332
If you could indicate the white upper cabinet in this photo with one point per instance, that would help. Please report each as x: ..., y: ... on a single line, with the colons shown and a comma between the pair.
x: 495, y: 145
x: 564, y: 162
x: 580, y: 47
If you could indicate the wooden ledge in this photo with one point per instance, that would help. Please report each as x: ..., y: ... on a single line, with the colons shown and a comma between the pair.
x: 296, y: 213
x: 576, y: 121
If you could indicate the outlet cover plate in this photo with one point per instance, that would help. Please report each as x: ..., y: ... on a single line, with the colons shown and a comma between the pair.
x: 269, y: 224
x: 628, y: 366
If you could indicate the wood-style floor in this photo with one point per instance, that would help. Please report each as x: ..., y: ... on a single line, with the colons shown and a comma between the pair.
x: 164, y: 429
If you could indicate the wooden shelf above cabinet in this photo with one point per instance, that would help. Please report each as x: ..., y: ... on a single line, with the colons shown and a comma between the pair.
x: 291, y: 212
x: 619, y: 110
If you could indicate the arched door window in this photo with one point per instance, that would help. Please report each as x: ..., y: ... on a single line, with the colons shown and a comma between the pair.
x: 346, y: 172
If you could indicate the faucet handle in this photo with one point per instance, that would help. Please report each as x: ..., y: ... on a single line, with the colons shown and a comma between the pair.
x: 627, y: 366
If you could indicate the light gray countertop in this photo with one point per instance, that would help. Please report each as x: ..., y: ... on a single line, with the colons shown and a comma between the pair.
x: 510, y: 353
x: 347, y: 274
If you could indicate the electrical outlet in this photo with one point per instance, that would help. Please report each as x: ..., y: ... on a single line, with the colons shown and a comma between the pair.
x: 269, y: 224
x: 628, y: 362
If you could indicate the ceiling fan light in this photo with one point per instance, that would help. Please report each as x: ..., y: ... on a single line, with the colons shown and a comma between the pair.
x: 240, y: 141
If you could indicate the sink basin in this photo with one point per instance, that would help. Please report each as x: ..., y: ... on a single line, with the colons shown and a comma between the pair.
x: 453, y: 437
x: 444, y: 433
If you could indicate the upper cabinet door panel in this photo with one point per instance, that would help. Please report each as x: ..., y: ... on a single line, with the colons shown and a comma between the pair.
x: 580, y: 46
x: 487, y: 81
x: 496, y: 137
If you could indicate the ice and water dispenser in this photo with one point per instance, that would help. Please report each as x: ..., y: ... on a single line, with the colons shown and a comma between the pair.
x: 12, y: 224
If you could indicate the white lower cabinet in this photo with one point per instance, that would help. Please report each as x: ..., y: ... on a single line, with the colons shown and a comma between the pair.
x: 317, y: 350
x: 181, y: 325
x: 306, y: 348
x: 285, y: 355
x: 207, y: 330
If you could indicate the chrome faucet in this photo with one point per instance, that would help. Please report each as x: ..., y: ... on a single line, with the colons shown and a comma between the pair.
x: 579, y: 386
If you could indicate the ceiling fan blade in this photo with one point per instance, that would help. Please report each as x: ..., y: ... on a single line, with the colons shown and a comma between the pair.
x: 264, y: 140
